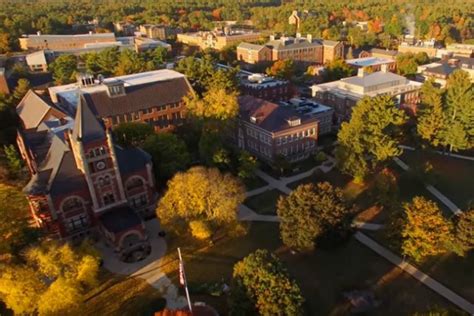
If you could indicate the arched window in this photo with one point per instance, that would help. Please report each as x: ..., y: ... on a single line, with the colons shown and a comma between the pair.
x: 134, y: 183
x: 72, y: 204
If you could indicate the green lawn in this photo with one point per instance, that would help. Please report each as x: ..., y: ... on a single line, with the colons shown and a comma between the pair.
x: 264, y: 203
x: 452, y: 176
x: 254, y: 183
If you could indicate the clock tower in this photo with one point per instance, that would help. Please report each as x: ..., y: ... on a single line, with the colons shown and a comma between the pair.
x: 95, y: 156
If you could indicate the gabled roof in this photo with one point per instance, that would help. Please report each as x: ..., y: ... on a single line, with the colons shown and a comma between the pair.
x: 32, y: 109
x: 131, y: 159
x: 86, y: 126
x: 292, y: 43
x: 443, y: 69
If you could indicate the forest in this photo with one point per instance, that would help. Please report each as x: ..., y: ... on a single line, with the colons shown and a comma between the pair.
x: 445, y: 21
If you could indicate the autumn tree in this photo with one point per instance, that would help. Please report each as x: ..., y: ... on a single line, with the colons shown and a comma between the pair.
x: 283, y: 69
x: 217, y: 104
x: 129, y: 62
x: 368, y: 140
x: 132, y: 133
x: 169, y: 154
x: 425, y: 232
x: 464, y: 231
x: 313, y: 212
x: 64, y: 69
x: 52, y: 280
x: 201, y: 194
x: 261, y: 285
x: 430, y: 115
x: 337, y: 69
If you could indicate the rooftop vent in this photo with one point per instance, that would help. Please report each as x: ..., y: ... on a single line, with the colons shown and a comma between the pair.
x: 294, y: 121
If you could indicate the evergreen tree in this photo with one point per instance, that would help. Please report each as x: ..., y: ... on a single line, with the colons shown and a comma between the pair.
x: 13, y: 159
x: 425, y: 231
x: 21, y: 89
x: 430, y: 114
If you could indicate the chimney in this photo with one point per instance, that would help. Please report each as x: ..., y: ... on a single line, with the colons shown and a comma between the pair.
x: 38, y: 33
x: 90, y: 32
x: 309, y: 37
x: 360, y: 72
x: 384, y: 68
x: 272, y: 37
x: 298, y: 35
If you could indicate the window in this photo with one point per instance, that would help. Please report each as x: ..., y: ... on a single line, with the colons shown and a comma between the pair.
x: 76, y: 222
x: 72, y: 204
x: 134, y: 183
x: 139, y: 201
x: 108, y: 198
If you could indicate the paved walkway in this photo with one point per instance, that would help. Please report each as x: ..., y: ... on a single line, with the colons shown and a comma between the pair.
x: 417, y: 274
x: 147, y: 269
x: 366, y: 225
x: 258, y: 191
x: 248, y: 215
x: 441, y: 153
x: 445, y: 200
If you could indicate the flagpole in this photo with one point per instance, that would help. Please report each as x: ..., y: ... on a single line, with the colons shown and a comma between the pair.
x: 183, y: 276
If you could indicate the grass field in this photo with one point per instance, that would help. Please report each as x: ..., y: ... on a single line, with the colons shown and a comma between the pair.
x: 264, y: 203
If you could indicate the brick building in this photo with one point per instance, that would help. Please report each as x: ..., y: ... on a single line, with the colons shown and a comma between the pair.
x: 343, y: 94
x: 81, y: 182
x: 218, y: 39
x: 373, y: 63
x: 154, y: 97
x: 268, y: 130
x: 161, y: 32
x: 265, y: 87
x: 439, y: 71
x: 299, y: 49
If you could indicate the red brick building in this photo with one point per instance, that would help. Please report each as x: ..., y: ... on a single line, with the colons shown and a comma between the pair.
x: 81, y: 182
x: 153, y: 97
x: 268, y: 130
x: 265, y: 87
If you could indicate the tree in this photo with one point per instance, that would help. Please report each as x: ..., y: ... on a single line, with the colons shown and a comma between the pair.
x: 169, y: 154
x: 337, y: 69
x: 459, y: 128
x: 13, y: 159
x: 283, y: 69
x: 368, y: 140
x: 21, y: 89
x: 52, y: 280
x: 430, y: 114
x: 217, y: 104
x: 64, y: 69
x: 264, y: 286
x: 129, y: 62
x: 201, y: 194
x: 247, y: 165
x: 132, y: 133
x: 406, y: 64
x: 311, y: 213
x: 464, y: 231
x: 157, y: 56
x: 425, y: 231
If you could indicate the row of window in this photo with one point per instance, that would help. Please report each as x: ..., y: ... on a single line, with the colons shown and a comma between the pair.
x: 264, y: 150
x: 296, y: 136
x: 135, y: 116
x: 96, y: 152
x: 298, y: 148
x: 261, y: 136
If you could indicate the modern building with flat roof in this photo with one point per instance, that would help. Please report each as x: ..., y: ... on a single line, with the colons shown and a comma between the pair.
x: 63, y: 42
x: 266, y: 87
x: 372, y: 63
x: 343, y: 94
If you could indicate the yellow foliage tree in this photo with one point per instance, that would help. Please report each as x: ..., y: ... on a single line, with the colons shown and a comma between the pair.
x: 425, y: 231
x: 202, y: 194
x: 217, y: 103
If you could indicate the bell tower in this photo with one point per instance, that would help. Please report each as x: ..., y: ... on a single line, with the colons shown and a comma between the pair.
x: 95, y: 156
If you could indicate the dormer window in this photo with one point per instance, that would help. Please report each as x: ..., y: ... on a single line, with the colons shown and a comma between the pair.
x: 294, y: 121
x: 115, y: 89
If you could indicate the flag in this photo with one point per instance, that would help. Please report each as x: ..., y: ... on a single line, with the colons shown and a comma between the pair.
x: 182, y: 279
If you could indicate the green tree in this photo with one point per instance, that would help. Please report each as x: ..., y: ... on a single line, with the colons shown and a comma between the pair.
x: 21, y: 89
x: 169, y: 154
x: 248, y: 164
x: 157, y: 56
x: 464, y: 231
x: 64, y: 69
x: 283, y: 69
x: 368, y: 140
x: 337, y: 69
x: 129, y: 62
x: 430, y: 115
x: 14, y: 161
x: 52, y: 280
x: 406, y: 64
x: 132, y: 133
x: 459, y: 129
x: 425, y: 231
x: 201, y: 194
x: 261, y: 280
x: 313, y: 212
